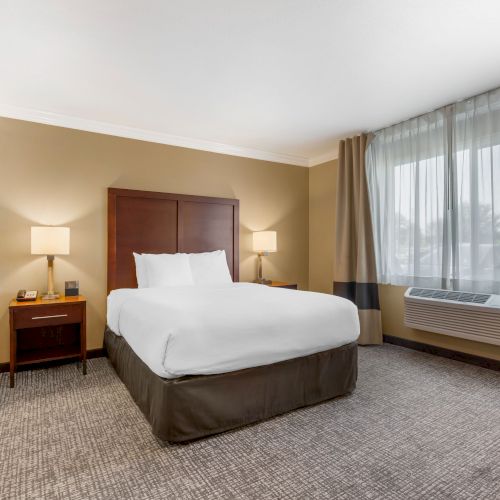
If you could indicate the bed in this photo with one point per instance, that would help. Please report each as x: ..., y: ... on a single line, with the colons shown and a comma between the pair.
x: 188, y: 385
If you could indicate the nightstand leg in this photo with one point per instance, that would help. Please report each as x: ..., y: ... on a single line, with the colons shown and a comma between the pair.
x: 83, y: 339
x: 13, y: 348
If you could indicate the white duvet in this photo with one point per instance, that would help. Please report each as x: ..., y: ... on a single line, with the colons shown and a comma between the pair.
x: 195, y: 330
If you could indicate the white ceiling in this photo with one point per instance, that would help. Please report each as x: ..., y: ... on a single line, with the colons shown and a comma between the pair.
x: 270, y: 79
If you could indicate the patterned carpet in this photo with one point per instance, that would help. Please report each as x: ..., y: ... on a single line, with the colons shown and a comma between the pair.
x: 417, y: 426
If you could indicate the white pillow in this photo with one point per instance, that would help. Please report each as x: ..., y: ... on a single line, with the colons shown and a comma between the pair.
x: 167, y: 269
x: 140, y: 271
x: 210, y: 268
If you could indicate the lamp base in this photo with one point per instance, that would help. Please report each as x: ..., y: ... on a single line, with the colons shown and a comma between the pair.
x: 262, y: 281
x: 50, y: 294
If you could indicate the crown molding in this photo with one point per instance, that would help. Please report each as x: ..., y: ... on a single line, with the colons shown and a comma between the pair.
x: 329, y: 156
x: 59, y: 120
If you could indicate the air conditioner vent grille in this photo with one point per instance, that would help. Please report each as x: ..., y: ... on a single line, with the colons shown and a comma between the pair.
x: 461, y: 297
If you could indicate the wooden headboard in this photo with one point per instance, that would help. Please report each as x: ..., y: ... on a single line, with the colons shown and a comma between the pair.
x: 149, y: 222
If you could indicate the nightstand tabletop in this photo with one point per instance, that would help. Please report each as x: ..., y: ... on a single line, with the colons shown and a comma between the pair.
x: 40, y: 302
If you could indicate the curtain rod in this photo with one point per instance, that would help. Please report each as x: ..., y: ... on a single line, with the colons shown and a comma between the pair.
x: 435, y: 109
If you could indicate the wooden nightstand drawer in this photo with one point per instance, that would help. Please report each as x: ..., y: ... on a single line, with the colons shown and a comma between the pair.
x: 31, y: 317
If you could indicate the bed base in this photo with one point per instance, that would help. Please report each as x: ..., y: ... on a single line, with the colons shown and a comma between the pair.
x: 192, y: 407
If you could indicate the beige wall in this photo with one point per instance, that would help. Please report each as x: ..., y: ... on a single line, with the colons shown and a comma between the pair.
x: 51, y: 175
x: 322, y: 192
x: 58, y: 176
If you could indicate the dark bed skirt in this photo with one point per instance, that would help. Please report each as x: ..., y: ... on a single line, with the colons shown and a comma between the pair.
x: 195, y: 406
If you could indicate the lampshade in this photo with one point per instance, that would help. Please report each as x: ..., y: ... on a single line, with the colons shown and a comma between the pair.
x: 264, y: 241
x: 49, y: 240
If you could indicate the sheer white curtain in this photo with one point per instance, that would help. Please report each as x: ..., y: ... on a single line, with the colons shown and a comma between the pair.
x: 434, y: 184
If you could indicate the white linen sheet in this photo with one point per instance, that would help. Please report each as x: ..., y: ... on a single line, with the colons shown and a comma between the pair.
x: 195, y: 330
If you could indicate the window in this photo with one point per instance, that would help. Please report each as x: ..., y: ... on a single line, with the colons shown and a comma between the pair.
x: 434, y: 184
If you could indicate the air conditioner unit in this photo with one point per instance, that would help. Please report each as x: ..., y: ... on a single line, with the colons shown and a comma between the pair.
x: 473, y: 316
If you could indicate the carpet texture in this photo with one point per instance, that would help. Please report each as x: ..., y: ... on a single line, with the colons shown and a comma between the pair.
x: 417, y: 426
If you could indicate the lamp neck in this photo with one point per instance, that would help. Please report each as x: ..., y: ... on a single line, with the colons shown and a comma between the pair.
x: 260, y: 278
x: 259, y: 267
x: 50, y: 280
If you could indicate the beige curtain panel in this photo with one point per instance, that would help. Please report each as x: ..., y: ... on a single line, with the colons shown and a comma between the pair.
x: 354, y: 271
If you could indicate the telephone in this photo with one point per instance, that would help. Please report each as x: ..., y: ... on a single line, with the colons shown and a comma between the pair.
x: 25, y: 295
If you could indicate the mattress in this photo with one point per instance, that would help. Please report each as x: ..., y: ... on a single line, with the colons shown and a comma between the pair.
x: 205, y: 330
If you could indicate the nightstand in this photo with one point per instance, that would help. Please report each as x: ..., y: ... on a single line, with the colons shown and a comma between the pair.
x: 282, y: 284
x: 47, y: 330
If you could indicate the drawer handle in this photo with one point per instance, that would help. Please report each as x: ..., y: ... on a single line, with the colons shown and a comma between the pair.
x: 53, y: 316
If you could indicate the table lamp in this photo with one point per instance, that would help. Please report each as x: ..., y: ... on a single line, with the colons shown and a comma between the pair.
x: 264, y: 242
x: 50, y: 241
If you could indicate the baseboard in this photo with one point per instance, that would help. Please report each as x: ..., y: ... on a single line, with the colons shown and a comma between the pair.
x: 91, y: 353
x: 471, y: 359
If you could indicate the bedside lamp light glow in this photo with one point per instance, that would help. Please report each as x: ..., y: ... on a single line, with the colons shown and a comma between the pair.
x: 264, y: 243
x: 50, y: 241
